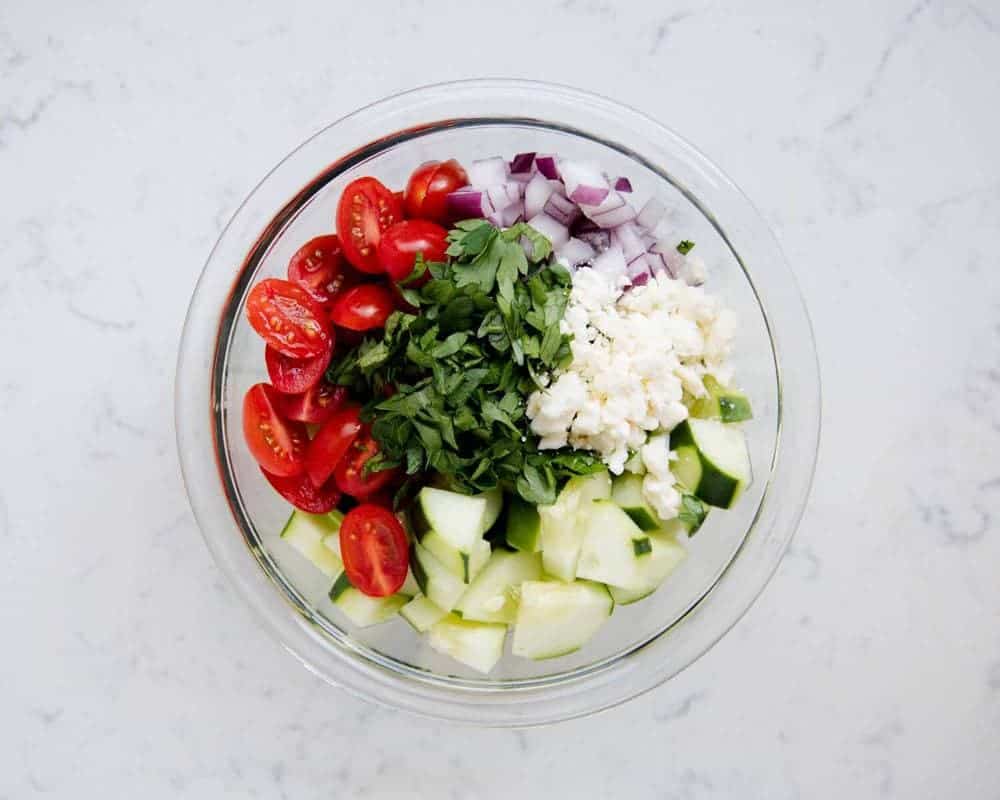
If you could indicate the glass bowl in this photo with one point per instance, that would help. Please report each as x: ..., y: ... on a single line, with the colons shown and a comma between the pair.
x: 731, y: 558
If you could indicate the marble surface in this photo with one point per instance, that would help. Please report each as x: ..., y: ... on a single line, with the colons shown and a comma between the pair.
x: 868, y: 135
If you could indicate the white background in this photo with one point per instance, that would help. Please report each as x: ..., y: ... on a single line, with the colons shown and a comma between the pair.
x: 867, y: 133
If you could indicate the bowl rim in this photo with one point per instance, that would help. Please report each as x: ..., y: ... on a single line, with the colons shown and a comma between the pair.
x: 529, y: 701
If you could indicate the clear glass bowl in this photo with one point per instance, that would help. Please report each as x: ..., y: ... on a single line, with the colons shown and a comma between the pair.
x: 731, y: 558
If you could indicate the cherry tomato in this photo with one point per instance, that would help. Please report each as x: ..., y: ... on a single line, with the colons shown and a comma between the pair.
x: 330, y: 443
x: 373, y: 545
x: 316, y: 405
x: 400, y: 244
x: 300, y: 492
x: 278, y: 445
x: 296, y: 375
x: 319, y: 267
x: 428, y: 187
x: 350, y: 472
x: 365, y: 210
x: 362, y: 308
x: 288, y: 319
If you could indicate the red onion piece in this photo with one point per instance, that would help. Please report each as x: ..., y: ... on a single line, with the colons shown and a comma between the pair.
x: 468, y: 203
x: 504, y: 194
x: 585, y: 183
x: 522, y: 162
x: 488, y: 172
x: 513, y: 214
x: 575, y: 252
x: 651, y: 214
x: 536, y: 194
x: 627, y: 238
x: 598, y: 239
x: 611, y: 263
x: 546, y: 164
x: 614, y: 211
x: 641, y: 279
x: 561, y: 209
x: 555, y: 232
x: 622, y: 185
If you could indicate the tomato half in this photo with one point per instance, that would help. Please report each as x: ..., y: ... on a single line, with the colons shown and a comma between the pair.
x: 315, y: 405
x: 362, y: 308
x: 320, y: 268
x: 350, y: 472
x: 374, y: 548
x: 278, y: 445
x: 300, y: 492
x: 288, y: 319
x: 365, y: 210
x: 296, y: 375
x: 400, y: 244
x: 429, y: 186
x: 330, y: 443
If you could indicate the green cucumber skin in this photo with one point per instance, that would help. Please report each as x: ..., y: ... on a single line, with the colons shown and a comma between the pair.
x: 340, y: 586
x: 734, y: 408
x: 524, y: 526
x: 714, y: 487
x: 418, y: 571
x: 641, y: 547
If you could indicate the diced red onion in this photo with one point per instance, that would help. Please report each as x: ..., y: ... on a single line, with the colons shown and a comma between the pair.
x: 546, y: 164
x: 665, y: 258
x: 561, y: 209
x: 641, y: 279
x: 598, y: 239
x: 521, y: 177
x: 585, y: 225
x: 536, y: 194
x: 555, y: 232
x: 611, y: 263
x: 647, y: 239
x: 522, y: 162
x: 504, y: 194
x: 651, y: 214
x: 468, y: 203
x: 488, y: 172
x: 585, y: 183
x: 622, y: 185
x: 614, y: 211
x: 638, y: 267
x: 575, y: 252
x: 512, y: 214
x: 627, y: 238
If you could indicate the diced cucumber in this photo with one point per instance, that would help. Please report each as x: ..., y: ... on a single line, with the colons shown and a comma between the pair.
x: 556, y: 618
x: 361, y: 609
x: 626, y: 492
x: 476, y: 644
x: 561, y: 530
x: 613, y: 545
x: 523, y: 526
x: 725, y: 405
x: 665, y: 555
x: 422, y: 614
x: 410, y: 586
x: 494, y: 507
x: 435, y: 580
x: 464, y: 565
x: 712, y: 460
x: 494, y: 595
x: 461, y: 518
x: 306, y: 532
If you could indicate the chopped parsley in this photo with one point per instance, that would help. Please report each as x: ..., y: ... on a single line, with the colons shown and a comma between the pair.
x: 685, y: 247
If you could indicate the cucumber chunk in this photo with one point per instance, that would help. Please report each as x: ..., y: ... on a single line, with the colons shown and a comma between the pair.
x: 665, y: 554
x: 556, y: 618
x: 561, y: 529
x: 436, y: 581
x: 361, y: 609
x: 613, y: 545
x: 524, y: 526
x: 495, y: 594
x: 626, y: 492
x: 307, y: 532
x: 461, y: 518
x: 478, y: 645
x: 464, y: 565
x: 725, y: 405
x: 712, y: 460
x: 422, y: 614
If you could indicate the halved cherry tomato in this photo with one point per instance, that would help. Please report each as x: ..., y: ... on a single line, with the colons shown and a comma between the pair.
x: 330, y: 443
x: 365, y: 210
x: 373, y: 545
x: 400, y: 244
x: 320, y: 268
x: 288, y: 318
x: 296, y: 375
x: 300, y: 492
x: 428, y: 187
x: 350, y: 472
x: 316, y: 405
x: 278, y: 445
x: 362, y: 308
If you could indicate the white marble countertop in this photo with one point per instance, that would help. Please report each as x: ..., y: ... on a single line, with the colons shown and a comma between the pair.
x: 868, y: 134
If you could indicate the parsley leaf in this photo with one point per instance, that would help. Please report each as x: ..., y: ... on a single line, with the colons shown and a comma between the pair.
x: 685, y: 247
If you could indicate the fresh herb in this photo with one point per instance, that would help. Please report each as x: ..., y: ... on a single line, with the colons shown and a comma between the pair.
x: 685, y: 247
x: 692, y: 513
x: 461, y: 370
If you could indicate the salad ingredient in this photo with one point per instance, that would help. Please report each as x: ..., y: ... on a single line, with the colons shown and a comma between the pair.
x: 319, y: 268
x: 658, y: 484
x: 664, y: 556
x: 315, y: 405
x: 363, y: 308
x: 428, y: 189
x: 524, y: 526
x: 296, y: 375
x: 363, y: 609
x: 440, y: 584
x: 464, y: 565
x: 422, y: 614
x: 726, y: 405
x: 476, y: 644
x: 451, y: 527
x: 712, y: 460
x: 584, y: 181
x: 288, y: 319
x: 374, y: 548
x: 331, y: 442
x: 301, y: 493
x: 561, y: 529
x: 612, y: 546
x: 305, y: 532
x: 555, y: 619
x: 627, y: 493
x: 496, y: 592
x: 402, y: 242
x: 350, y: 474
x: 366, y: 210
x: 278, y: 445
